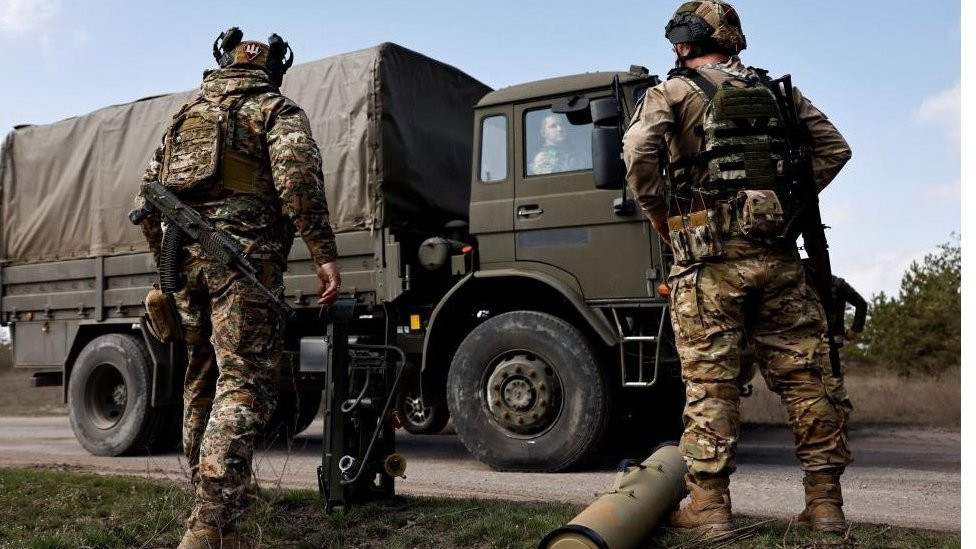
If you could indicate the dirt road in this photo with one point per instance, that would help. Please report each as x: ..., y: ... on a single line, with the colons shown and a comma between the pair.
x: 902, y: 477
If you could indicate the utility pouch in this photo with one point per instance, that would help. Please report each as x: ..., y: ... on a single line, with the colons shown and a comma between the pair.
x: 191, y: 156
x: 239, y: 172
x: 760, y: 213
x: 162, y: 318
x: 696, y: 236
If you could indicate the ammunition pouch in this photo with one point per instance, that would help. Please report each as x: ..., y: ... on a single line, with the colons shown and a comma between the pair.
x: 696, y: 236
x: 162, y: 318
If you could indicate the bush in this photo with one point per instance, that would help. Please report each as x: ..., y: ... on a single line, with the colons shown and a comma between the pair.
x: 920, y: 329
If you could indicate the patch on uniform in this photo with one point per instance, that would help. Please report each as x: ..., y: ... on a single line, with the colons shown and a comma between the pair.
x: 252, y: 50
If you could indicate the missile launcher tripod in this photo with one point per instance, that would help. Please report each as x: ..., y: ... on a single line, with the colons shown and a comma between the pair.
x: 359, y: 459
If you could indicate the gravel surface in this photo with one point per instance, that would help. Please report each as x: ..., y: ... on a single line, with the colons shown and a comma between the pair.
x: 902, y: 476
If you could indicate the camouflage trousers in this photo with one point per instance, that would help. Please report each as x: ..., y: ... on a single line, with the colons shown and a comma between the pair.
x: 760, y: 294
x: 234, y: 342
x: 838, y: 394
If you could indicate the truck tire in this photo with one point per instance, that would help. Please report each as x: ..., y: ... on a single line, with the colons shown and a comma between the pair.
x: 526, y: 393
x: 109, y: 397
x: 425, y: 415
x: 308, y: 408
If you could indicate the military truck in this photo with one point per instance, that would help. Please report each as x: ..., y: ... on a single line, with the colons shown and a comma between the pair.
x: 526, y: 298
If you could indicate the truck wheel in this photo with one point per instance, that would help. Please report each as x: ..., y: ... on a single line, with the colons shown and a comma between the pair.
x: 422, y: 416
x: 526, y: 393
x: 308, y: 408
x: 108, y: 397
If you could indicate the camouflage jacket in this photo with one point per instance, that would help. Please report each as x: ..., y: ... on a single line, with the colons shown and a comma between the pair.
x: 552, y: 159
x: 664, y: 126
x: 274, y: 133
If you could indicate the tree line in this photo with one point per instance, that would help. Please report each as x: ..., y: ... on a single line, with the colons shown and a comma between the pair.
x: 919, y: 330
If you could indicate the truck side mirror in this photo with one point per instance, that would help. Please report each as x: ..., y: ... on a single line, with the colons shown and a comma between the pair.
x: 607, y: 143
x: 576, y: 109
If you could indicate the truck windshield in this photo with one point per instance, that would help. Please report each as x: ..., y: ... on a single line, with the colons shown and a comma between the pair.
x: 553, y: 145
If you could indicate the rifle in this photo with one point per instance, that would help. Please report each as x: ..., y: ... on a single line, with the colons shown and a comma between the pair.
x: 185, y: 222
x: 805, y: 217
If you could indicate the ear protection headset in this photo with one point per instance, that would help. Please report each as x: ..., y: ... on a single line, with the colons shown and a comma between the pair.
x: 277, y: 65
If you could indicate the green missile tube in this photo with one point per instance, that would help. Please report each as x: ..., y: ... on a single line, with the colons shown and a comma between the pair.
x: 622, y: 517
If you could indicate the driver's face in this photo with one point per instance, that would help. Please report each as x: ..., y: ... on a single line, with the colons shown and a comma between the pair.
x: 552, y: 130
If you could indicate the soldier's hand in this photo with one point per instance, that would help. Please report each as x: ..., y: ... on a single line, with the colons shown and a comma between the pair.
x: 329, y: 282
x: 852, y: 336
x: 661, y: 226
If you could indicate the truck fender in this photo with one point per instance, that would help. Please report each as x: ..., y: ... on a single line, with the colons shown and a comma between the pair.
x: 167, y: 358
x: 600, y: 325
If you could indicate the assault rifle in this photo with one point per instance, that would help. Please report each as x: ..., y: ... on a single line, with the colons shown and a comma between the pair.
x: 805, y: 209
x: 185, y: 222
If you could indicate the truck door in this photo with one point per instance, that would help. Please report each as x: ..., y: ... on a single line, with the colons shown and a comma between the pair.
x: 492, y: 188
x: 562, y: 220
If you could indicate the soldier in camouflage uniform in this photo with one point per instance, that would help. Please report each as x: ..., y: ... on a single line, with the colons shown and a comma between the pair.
x: 553, y: 156
x: 747, y: 288
x: 842, y: 294
x: 242, y: 155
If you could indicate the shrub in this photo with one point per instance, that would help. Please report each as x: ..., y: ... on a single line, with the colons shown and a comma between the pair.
x: 919, y: 330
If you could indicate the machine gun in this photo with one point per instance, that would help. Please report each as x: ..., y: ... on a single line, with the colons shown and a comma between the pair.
x: 185, y: 222
x: 359, y: 462
x: 805, y: 218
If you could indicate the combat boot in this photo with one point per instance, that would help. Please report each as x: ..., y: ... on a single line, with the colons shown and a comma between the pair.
x: 709, y: 509
x: 823, y: 503
x: 210, y: 538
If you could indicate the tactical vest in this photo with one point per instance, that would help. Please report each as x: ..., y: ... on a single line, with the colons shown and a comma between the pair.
x: 745, y: 138
x: 746, y: 157
x: 199, y: 156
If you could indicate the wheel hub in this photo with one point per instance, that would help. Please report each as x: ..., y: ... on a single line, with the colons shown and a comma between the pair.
x: 415, y: 411
x: 106, y: 396
x: 119, y: 395
x: 519, y: 394
x: 522, y: 393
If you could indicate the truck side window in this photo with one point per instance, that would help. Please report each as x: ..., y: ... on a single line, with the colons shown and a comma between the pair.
x: 553, y: 145
x: 494, y: 147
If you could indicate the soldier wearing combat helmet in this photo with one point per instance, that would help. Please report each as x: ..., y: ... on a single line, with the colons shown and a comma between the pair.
x: 242, y: 155
x: 722, y: 211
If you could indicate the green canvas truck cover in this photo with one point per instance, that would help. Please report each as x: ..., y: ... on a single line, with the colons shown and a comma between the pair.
x: 394, y: 128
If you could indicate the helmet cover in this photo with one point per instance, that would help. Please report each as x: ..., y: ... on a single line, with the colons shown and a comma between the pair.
x: 707, y: 20
x: 230, y: 51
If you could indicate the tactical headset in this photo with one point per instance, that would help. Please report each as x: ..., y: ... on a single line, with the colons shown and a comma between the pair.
x: 276, y: 65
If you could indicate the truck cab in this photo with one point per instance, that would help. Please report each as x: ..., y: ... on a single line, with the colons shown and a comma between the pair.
x: 559, y: 330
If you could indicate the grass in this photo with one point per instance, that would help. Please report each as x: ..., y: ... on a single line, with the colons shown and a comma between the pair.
x: 58, y: 509
x: 878, y: 397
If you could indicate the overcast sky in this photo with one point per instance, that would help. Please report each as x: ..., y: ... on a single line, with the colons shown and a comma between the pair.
x: 886, y: 73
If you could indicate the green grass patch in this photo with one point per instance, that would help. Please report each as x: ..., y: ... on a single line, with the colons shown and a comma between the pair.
x: 57, y: 509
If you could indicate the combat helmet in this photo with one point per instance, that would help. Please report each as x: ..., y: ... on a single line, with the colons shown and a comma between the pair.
x: 707, y: 22
x: 230, y: 51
